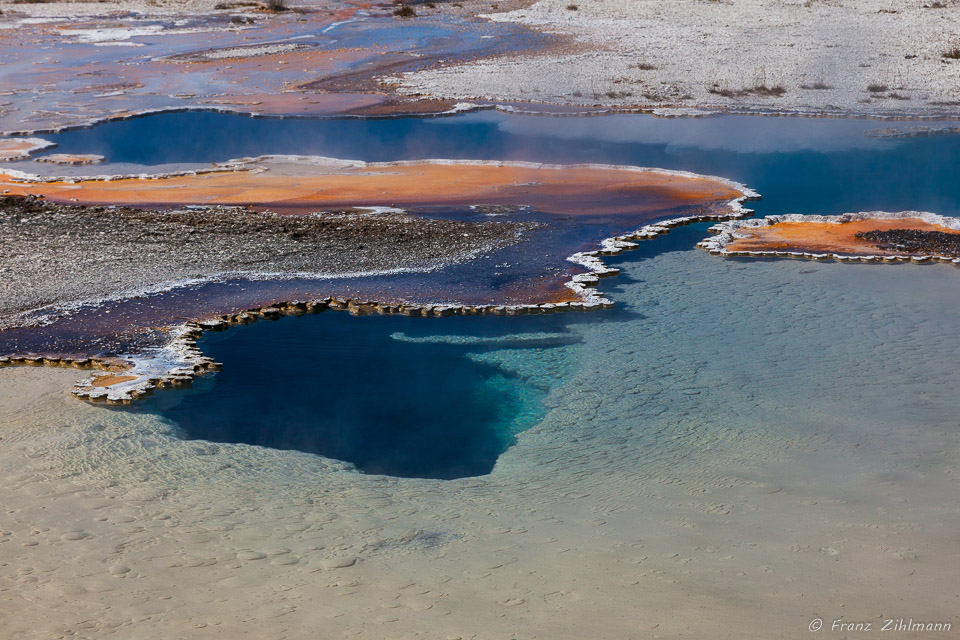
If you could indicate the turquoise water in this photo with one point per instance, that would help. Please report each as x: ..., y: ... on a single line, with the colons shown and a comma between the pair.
x: 787, y: 351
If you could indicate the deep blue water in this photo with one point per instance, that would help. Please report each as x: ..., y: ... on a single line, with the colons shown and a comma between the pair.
x: 343, y: 387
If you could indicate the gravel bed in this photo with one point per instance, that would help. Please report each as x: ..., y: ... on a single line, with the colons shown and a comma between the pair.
x: 57, y: 255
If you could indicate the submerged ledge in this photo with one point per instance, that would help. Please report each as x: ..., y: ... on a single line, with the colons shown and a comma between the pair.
x: 212, y: 214
x: 816, y: 237
x: 56, y: 256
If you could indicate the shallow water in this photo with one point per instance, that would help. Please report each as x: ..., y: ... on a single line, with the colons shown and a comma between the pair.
x: 391, y: 395
x: 790, y: 351
x: 163, y: 64
x: 738, y: 448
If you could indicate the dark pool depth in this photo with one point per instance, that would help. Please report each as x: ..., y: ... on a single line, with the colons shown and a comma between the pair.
x: 349, y: 389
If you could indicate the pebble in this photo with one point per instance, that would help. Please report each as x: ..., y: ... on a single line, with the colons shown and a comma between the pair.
x: 338, y: 562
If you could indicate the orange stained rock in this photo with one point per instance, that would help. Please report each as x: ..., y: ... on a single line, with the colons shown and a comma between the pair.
x: 18, y: 148
x: 70, y: 158
x: 106, y: 381
x: 298, y: 59
x: 825, y: 237
x: 295, y: 103
x: 393, y: 106
x: 553, y: 189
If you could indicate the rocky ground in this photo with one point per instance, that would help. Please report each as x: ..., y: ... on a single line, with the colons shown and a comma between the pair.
x: 875, y: 57
x: 869, y: 56
x: 53, y: 254
x: 42, y: 8
x: 914, y: 241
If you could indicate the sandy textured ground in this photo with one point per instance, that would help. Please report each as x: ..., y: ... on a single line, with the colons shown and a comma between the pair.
x: 868, y: 56
x: 671, y: 491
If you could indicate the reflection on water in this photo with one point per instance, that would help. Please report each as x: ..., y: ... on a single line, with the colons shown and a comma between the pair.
x: 799, y: 165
